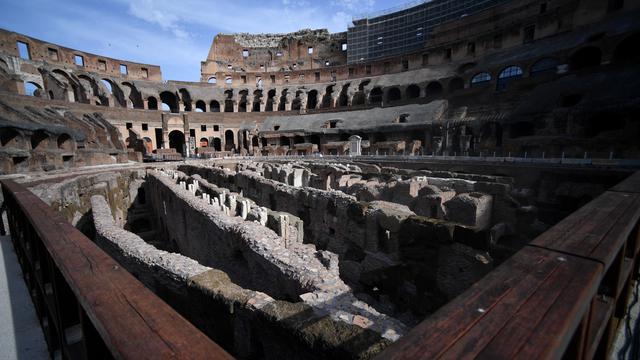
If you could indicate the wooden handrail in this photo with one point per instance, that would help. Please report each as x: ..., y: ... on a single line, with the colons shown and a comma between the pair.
x: 561, y: 296
x: 89, y: 306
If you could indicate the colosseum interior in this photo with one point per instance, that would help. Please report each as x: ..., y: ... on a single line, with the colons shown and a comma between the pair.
x: 332, y: 195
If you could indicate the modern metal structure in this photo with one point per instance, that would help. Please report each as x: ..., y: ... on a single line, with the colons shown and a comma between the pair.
x: 405, y: 29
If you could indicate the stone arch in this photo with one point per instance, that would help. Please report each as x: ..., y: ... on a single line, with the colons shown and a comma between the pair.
x: 228, y: 102
x: 186, y: 99
x: 257, y: 101
x: 628, y: 50
x: 169, y: 101
x: 214, y: 105
x: 66, y: 143
x: 152, y: 103
x: 32, y: 89
x: 312, y: 99
x: 507, y: 75
x: 134, y: 95
x: 375, y: 96
x: 201, y: 105
x: 545, y: 65
x: 77, y: 93
x: 271, y: 94
x: 393, y: 95
x: 204, y: 142
x: 217, y: 144
x: 254, y: 141
x: 92, y: 90
x: 212, y: 80
x: 359, y: 98
x: 327, y: 98
x: 116, y: 92
x: 176, y: 141
x: 39, y: 140
x: 585, y: 57
x: 242, y: 103
x: 412, y: 91
x: 343, y: 98
x: 433, y: 89
x: 11, y: 138
x: 296, y: 104
x: 283, y: 100
x: 455, y: 84
x: 229, y: 141
x: 479, y: 79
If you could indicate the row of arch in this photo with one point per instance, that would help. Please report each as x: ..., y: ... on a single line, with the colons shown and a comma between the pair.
x: 109, y: 93
x: 39, y: 140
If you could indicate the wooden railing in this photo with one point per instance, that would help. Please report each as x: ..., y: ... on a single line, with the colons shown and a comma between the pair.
x: 561, y: 296
x: 88, y: 305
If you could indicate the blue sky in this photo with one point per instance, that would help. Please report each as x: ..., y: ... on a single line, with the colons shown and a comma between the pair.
x: 175, y: 34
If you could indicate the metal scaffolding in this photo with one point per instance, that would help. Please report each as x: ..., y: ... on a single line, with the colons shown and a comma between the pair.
x: 406, y: 28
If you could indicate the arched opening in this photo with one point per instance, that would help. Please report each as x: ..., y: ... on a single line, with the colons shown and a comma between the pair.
x: 312, y: 99
x: 284, y: 141
x: 375, y: 96
x: 228, y: 102
x: 32, y: 89
x: 628, y: 50
x: 148, y: 145
x: 204, y: 142
x: 413, y: 91
x: 115, y: 91
x: 283, y: 100
x: 584, y: 58
x: 186, y: 99
x: 257, y: 100
x: 270, y: 96
x: 169, y: 101
x: 39, y: 140
x: 296, y: 104
x: 394, y: 94
x: 359, y: 98
x: 65, y: 142
x: 343, y: 99
x: 152, y: 103
x: 434, y: 89
x: 254, y: 141
x: 298, y: 139
x: 201, y: 106
x: 456, y: 84
x: 134, y: 96
x: 242, y: 105
x: 229, y: 144
x: 10, y: 137
x: 176, y: 141
x: 326, y: 99
x: 544, y: 66
x: 77, y: 93
x: 217, y: 144
x: 507, y: 75
x: 212, y: 80
x: 480, y: 79
x: 214, y: 106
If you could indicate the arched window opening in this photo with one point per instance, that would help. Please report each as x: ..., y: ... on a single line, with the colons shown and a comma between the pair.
x: 215, y: 106
x: 32, y: 89
x: 10, y: 137
x: 413, y: 91
x: 480, y: 79
x: 152, y: 103
x: 283, y: 100
x: 39, y: 140
x: 186, y: 99
x: 584, y: 58
x: 229, y: 144
x: 375, y: 96
x: 312, y: 99
x: 544, y: 66
x: 434, y: 89
x: 508, y: 74
x: 201, y: 106
x: 204, y: 142
x: 394, y: 94
x: 217, y: 144
x: 212, y: 80
x: 270, y: 98
x: 176, y: 141
x: 65, y: 142
x: 169, y: 101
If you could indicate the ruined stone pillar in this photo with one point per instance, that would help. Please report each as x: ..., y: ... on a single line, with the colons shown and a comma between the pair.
x: 249, y: 103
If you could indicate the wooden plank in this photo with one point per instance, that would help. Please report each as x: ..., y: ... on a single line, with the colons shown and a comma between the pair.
x: 132, y: 321
x: 600, y: 316
x: 464, y: 327
x: 631, y: 184
x: 597, y: 230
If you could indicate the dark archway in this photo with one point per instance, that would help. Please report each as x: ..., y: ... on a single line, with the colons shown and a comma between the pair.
x: 413, y: 91
x: 215, y: 106
x: 359, y: 98
x: 456, y: 84
x: 375, y: 96
x: 326, y: 99
x: 228, y: 102
x: 204, y: 142
x: 201, y: 106
x: 170, y: 101
x: 584, y: 58
x: 394, y: 94
x: 39, y: 140
x: 229, y: 144
x: 186, y: 99
x: 176, y: 141
x: 312, y: 99
x: 66, y: 143
x: 283, y: 100
x: 134, y: 96
x: 343, y: 99
x: 217, y: 144
x: 628, y: 50
x: 270, y: 96
x: 434, y: 89
x: 152, y: 103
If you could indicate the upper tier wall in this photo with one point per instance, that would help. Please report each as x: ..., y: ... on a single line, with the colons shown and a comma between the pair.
x: 39, y: 50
